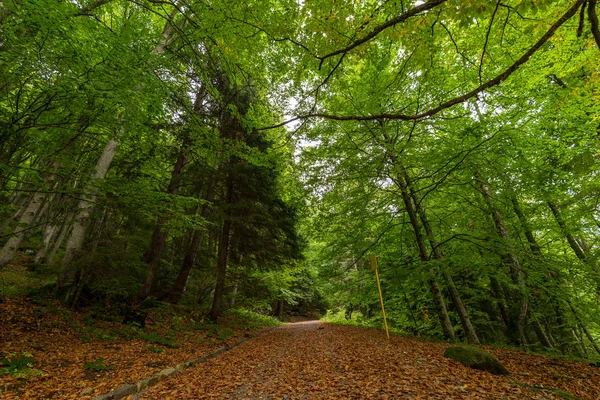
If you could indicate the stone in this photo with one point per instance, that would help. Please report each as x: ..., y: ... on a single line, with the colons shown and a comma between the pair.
x: 167, y: 372
x: 476, y: 358
x: 123, y: 391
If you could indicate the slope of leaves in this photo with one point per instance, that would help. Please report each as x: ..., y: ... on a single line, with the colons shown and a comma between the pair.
x: 319, y: 360
x: 63, y: 343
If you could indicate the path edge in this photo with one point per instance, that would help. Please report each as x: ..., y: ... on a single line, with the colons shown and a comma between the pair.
x: 144, y: 383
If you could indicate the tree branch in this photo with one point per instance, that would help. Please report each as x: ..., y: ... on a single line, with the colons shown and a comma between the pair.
x: 581, y: 20
x: 380, y: 28
x: 487, y: 37
x: 92, y: 6
x: 457, y: 100
x: 594, y: 21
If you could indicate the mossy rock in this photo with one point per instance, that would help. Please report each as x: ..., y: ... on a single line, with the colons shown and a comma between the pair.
x: 476, y: 358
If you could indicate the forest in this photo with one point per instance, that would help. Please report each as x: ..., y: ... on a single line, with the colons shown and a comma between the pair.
x: 252, y: 156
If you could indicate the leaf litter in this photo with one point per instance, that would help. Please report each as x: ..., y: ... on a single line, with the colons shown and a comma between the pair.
x: 296, y: 361
x: 301, y: 361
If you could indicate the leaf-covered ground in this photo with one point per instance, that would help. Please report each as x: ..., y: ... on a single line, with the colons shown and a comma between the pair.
x: 296, y: 361
x: 317, y: 360
x: 62, y: 342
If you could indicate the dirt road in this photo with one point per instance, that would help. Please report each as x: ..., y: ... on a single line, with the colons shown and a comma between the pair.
x: 317, y: 360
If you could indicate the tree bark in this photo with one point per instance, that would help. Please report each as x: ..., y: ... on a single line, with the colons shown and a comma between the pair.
x: 215, y: 310
x: 438, y: 298
x: 539, y: 330
x: 584, y: 328
x: 21, y: 202
x: 566, y: 232
x: 60, y: 238
x: 27, y: 218
x: 153, y: 255
x: 174, y: 295
x: 513, y: 262
x: 465, y: 321
x: 76, y: 238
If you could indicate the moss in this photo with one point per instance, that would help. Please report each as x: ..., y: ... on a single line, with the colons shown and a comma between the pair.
x: 474, y: 357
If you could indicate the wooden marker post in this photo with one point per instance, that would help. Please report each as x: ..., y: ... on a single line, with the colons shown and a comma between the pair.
x: 374, y: 266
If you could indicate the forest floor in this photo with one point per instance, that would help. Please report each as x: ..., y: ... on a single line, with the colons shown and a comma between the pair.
x: 76, y: 356
x: 318, y: 360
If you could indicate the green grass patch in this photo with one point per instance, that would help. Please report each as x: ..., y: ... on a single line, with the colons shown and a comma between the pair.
x: 249, y: 320
x: 18, y: 281
x: 156, y: 338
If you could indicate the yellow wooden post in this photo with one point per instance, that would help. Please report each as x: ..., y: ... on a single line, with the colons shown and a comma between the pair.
x: 374, y: 266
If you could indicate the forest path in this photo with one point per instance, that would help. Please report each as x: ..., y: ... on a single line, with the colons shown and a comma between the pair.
x: 318, y: 360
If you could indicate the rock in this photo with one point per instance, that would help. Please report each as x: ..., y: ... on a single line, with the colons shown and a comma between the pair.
x: 86, y: 392
x: 476, y: 358
x: 166, y: 372
x: 123, y: 391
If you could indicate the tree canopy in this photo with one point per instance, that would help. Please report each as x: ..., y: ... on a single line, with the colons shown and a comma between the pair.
x: 256, y: 153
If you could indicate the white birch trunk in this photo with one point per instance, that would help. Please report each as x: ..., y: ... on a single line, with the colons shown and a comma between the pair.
x: 55, y: 245
x: 76, y: 238
x: 49, y: 233
x: 27, y: 218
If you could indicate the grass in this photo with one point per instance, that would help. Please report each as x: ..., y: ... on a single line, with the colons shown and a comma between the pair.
x: 16, y: 280
x: 249, y: 320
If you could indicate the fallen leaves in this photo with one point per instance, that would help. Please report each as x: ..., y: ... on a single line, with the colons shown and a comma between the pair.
x: 299, y: 361
x: 60, y: 354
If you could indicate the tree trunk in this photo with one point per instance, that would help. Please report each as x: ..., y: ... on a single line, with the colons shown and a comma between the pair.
x: 514, y: 266
x: 438, y: 298
x: 49, y: 233
x: 566, y: 232
x: 438, y: 255
x: 278, y: 308
x: 234, y: 292
x: 178, y: 289
x: 76, y: 238
x: 535, y: 249
x: 21, y: 202
x: 585, y: 330
x: 539, y: 330
x: 501, y: 300
x: 26, y: 219
x: 215, y: 310
x: 153, y: 255
x: 60, y: 238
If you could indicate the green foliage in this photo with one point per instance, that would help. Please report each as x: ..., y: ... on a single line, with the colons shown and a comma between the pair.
x: 154, y: 349
x: 19, y: 366
x: 308, y: 204
x: 18, y: 281
x: 167, y: 340
x: 251, y: 320
x: 97, y: 366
